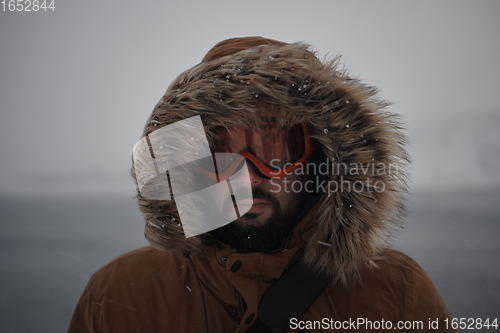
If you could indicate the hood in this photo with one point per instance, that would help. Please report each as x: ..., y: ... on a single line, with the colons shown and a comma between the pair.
x: 242, y: 81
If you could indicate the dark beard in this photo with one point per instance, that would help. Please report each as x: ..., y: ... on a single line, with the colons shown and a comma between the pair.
x: 264, y: 237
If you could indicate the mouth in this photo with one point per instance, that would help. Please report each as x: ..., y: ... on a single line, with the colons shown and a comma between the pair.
x: 253, y: 206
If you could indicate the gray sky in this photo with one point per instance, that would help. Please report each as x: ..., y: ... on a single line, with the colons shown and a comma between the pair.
x: 77, y: 84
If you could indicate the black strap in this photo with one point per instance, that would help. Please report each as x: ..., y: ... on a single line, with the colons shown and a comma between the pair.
x: 289, y: 297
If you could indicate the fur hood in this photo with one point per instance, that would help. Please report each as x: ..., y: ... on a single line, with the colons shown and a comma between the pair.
x: 242, y: 80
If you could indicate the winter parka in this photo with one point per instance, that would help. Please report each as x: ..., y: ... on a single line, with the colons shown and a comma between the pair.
x: 199, y: 284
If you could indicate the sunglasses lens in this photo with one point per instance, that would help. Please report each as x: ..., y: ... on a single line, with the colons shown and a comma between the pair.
x: 270, y: 149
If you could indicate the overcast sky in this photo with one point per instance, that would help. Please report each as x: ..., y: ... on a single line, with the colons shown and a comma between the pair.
x: 77, y: 84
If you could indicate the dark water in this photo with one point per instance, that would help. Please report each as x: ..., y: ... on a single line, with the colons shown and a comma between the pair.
x: 49, y: 247
x: 456, y: 238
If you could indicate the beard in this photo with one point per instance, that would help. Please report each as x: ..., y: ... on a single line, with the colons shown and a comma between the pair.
x: 247, y: 237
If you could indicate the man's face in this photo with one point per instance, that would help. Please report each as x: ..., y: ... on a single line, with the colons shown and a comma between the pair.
x: 271, y: 215
x: 270, y: 196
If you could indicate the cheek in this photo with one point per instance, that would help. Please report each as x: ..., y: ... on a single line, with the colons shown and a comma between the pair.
x: 274, y: 186
x: 287, y: 189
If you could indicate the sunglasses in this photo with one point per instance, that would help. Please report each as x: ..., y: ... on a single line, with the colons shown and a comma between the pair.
x: 275, y: 152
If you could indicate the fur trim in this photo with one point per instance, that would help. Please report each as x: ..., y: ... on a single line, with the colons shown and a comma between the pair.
x: 348, y: 124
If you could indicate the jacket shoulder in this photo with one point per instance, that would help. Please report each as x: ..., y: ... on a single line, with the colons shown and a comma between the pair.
x: 393, y: 288
x: 143, y: 253
x: 117, y: 290
x: 415, y: 294
x: 407, y: 277
x: 143, y: 257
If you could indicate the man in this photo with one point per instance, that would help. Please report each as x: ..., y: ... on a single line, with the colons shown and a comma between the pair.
x: 324, y: 163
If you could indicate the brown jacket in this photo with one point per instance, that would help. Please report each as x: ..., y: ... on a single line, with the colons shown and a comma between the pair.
x: 148, y: 290
x: 199, y: 285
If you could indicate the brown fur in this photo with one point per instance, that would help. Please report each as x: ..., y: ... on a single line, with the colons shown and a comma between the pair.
x: 348, y: 123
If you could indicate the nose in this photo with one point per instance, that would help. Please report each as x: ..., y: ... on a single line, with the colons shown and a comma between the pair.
x: 255, y: 179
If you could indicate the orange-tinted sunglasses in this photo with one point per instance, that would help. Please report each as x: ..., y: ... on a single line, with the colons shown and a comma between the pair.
x: 275, y: 152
